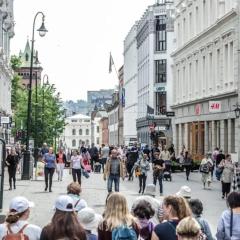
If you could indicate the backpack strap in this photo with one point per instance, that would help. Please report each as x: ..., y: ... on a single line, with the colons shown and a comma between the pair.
x: 231, y: 224
x: 9, y: 229
x: 21, y: 230
x: 77, y: 202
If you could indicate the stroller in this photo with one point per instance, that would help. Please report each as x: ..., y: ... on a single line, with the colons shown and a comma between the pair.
x: 167, y: 173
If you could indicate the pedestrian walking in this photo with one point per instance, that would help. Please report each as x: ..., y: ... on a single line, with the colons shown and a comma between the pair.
x: 197, y: 210
x: 175, y: 209
x: 74, y: 190
x: 64, y: 224
x: 205, y: 169
x: 90, y: 221
x: 158, y: 168
x: 147, y: 151
x: 188, y: 229
x: 228, y: 225
x: 227, y: 175
x: 132, y: 157
x: 141, y: 167
x: 44, y: 149
x: 165, y: 154
x: 113, y: 171
x: 12, y: 162
x: 49, y: 159
x: 16, y: 225
x: 104, y: 155
x: 143, y: 211
x: 187, y: 163
x: 86, y: 159
x: 93, y: 151
x: 117, y: 222
x: 76, y: 165
x: 61, y: 161
x: 219, y: 158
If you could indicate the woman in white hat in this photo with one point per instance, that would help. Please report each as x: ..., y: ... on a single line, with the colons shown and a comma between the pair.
x: 16, y: 220
x: 64, y: 223
x: 90, y: 221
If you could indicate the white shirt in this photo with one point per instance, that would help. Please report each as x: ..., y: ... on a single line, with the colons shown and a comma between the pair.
x: 32, y: 231
x: 76, y: 161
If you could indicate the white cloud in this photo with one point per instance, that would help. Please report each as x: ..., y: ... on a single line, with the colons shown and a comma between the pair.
x: 75, y: 52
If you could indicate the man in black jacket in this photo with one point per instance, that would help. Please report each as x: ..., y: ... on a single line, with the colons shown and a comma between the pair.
x: 94, y: 154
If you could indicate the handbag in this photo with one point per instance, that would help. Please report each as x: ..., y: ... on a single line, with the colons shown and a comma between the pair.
x: 85, y: 173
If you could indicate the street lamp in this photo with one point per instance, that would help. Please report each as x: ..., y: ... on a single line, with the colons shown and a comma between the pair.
x: 43, y: 103
x: 237, y: 110
x: 26, y: 160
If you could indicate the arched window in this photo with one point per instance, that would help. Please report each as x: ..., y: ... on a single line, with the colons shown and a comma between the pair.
x: 73, y: 143
x: 80, y: 131
x: 74, y: 132
x: 87, y: 142
x: 87, y: 131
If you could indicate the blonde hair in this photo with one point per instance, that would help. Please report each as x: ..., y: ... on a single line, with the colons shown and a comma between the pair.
x: 188, y: 228
x: 116, y: 212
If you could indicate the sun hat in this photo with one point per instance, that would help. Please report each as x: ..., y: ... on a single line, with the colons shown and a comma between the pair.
x: 20, y: 204
x: 150, y: 190
x: 185, y: 192
x: 64, y: 203
x: 89, y: 219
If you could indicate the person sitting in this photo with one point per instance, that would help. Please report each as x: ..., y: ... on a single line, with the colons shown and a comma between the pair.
x: 64, y: 224
x: 16, y: 220
x: 89, y: 220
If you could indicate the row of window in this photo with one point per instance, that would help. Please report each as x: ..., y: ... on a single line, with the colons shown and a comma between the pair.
x: 74, y: 132
x: 75, y: 120
x: 25, y: 74
x: 161, y: 71
x: 161, y: 33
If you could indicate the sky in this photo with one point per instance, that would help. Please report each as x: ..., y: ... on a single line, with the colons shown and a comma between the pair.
x: 81, y: 34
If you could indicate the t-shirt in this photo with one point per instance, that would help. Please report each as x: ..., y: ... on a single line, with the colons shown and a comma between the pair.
x: 159, y: 162
x: 49, y: 160
x: 166, y: 230
x: 60, y: 158
x: 76, y: 161
x: 32, y: 231
x: 115, y: 166
x: 105, y: 152
x: 12, y: 161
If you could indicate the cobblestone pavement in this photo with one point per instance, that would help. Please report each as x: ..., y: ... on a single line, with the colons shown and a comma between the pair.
x: 94, y: 192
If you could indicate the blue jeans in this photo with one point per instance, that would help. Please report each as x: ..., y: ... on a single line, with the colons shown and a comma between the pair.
x: 160, y: 180
x: 116, y: 180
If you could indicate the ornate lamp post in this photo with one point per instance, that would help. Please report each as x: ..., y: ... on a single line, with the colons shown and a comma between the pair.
x: 26, y: 160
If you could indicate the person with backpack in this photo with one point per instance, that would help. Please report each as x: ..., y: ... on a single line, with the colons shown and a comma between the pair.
x: 117, y: 222
x: 175, y: 209
x: 64, y: 224
x: 197, y: 209
x: 205, y: 169
x: 227, y: 175
x: 74, y: 190
x: 228, y: 225
x: 89, y: 220
x: 143, y: 211
x: 16, y: 226
x: 187, y: 163
x: 142, y: 166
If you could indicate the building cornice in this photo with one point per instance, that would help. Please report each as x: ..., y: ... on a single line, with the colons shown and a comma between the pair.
x: 207, y: 31
x: 221, y: 96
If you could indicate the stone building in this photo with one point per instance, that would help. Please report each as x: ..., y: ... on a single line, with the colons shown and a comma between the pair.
x: 6, y: 33
x: 206, y: 75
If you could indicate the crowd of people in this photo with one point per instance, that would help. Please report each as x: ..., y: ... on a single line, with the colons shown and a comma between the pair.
x: 176, y: 217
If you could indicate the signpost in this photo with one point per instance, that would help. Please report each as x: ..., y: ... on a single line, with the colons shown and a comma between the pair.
x: 2, y: 160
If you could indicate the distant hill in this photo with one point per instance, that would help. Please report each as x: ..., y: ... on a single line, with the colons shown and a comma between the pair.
x: 80, y: 106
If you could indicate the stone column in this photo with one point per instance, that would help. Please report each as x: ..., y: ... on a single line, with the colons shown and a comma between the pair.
x: 229, y: 139
x: 222, y: 136
x: 180, y: 137
x: 206, y: 137
x: 214, y: 142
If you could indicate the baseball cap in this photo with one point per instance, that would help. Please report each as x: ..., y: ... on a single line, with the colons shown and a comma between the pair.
x: 185, y: 192
x: 20, y: 204
x: 64, y: 203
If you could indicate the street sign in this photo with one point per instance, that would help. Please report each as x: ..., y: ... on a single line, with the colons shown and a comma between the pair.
x: 215, y: 106
x: 4, y: 120
x: 170, y: 114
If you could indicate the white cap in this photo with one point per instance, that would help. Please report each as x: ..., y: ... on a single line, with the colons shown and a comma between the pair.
x: 20, y: 204
x: 89, y: 219
x: 64, y: 203
x: 185, y: 192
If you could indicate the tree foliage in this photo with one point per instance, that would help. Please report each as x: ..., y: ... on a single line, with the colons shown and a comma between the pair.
x: 47, y: 114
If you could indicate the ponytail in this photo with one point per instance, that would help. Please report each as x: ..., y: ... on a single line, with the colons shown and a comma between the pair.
x: 14, y: 216
x: 184, y: 209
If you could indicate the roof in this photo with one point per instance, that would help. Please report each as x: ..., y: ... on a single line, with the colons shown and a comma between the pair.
x: 79, y: 116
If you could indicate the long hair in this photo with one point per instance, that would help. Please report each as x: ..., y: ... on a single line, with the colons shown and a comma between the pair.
x: 116, y: 212
x: 65, y: 225
x: 180, y: 207
x: 14, y: 216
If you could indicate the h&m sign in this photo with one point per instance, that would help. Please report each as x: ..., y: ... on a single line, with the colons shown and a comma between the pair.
x: 215, y: 106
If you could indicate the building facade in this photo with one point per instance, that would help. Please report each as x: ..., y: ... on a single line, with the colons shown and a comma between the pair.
x: 155, y: 37
x: 104, y: 132
x: 206, y: 75
x: 77, y: 131
x: 6, y: 33
x: 130, y: 110
x: 121, y: 106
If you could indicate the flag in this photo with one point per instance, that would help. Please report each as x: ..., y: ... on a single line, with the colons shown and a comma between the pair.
x: 110, y: 63
x: 150, y: 110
